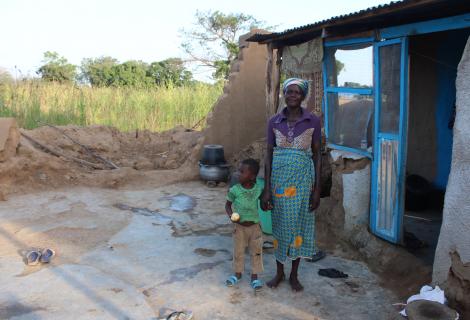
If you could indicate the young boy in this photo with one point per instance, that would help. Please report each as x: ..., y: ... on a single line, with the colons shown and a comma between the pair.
x: 243, y: 199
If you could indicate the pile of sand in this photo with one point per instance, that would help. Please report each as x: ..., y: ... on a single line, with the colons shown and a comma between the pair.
x: 30, y: 167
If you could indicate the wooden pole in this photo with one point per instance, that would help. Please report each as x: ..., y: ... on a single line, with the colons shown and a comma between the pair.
x: 276, y: 80
x: 269, y: 70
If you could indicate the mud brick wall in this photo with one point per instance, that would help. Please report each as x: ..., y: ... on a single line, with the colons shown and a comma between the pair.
x: 239, y: 116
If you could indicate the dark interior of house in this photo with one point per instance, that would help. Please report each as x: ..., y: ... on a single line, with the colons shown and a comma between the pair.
x: 434, y: 61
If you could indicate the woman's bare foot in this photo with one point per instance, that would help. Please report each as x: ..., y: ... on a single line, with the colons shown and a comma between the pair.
x: 274, y: 282
x: 295, y: 284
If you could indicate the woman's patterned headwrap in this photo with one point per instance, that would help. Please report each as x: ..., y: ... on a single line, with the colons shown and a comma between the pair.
x: 303, y: 85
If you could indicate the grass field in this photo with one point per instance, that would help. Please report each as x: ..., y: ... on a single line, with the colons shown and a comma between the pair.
x: 155, y: 109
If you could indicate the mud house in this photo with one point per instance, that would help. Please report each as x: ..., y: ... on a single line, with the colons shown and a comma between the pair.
x: 392, y: 86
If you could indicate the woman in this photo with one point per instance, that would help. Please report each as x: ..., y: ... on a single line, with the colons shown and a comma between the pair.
x: 292, y: 176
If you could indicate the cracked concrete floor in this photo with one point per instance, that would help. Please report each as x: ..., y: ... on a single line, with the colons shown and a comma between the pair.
x: 138, y: 255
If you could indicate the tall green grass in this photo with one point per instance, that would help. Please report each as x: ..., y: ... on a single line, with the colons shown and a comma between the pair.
x: 125, y: 108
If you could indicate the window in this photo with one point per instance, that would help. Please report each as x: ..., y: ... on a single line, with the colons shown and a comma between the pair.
x: 351, y: 118
x: 349, y: 96
x: 350, y: 66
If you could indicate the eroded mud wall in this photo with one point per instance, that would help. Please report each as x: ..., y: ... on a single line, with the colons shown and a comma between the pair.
x: 239, y: 116
x: 455, y: 235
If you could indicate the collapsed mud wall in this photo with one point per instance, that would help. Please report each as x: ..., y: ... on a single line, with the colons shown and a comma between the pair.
x: 9, y: 138
x: 455, y: 235
x: 239, y: 117
x: 52, y: 157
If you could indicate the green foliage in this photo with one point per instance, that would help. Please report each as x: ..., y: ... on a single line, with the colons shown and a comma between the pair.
x: 213, y: 42
x: 339, y: 67
x: 170, y: 72
x: 132, y: 74
x: 355, y: 85
x: 98, y: 72
x: 127, y: 108
x: 56, y: 68
x: 107, y: 71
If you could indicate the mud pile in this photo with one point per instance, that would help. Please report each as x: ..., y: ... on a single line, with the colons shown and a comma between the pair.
x: 50, y: 157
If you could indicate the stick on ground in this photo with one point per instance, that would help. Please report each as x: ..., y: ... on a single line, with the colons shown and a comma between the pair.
x: 61, y: 155
x: 88, y: 150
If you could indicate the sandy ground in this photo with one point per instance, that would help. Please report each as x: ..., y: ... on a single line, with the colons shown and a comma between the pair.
x: 142, y: 253
x: 29, y: 167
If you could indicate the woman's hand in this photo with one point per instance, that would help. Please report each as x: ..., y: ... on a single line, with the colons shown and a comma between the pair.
x: 266, y: 200
x: 314, y: 200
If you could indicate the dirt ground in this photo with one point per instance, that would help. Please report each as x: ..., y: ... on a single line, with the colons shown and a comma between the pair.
x: 145, y: 239
x: 142, y: 253
x: 136, y: 154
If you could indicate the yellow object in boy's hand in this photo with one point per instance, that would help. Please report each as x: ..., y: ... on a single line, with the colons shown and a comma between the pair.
x: 235, y: 217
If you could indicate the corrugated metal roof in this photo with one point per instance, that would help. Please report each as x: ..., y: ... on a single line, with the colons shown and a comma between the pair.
x: 326, y: 21
x: 416, y: 9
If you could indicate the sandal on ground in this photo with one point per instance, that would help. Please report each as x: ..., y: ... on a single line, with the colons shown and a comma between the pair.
x: 46, y: 255
x: 256, y: 284
x: 268, y: 245
x: 180, y: 315
x: 231, y: 281
x: 332, y: 273
x: 33, y: 257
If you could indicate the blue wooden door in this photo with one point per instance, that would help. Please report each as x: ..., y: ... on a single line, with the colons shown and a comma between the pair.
x: 388, y: 169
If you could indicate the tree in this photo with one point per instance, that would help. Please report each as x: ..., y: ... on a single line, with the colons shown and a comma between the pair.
x: 213, y: 42
x: 339, y: 67
x: 5, y: 76
x: 107, y: 71
x: 56, y: 68
x: 170, y: 71
x: 132, y: 73
x: 98, y: 72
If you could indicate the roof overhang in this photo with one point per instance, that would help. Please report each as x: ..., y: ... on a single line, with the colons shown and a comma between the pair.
x: 392, y: 14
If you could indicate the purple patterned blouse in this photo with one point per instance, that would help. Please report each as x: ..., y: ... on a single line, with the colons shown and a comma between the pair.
x: 299, y: 136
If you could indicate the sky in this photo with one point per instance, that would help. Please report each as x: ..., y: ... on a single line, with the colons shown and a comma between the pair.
x: 146, y: 30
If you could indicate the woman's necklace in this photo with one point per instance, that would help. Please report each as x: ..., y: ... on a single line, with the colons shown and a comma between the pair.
x: 290, y: 131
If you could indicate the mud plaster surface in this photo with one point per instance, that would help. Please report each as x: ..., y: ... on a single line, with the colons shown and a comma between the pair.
x: 117, y: 258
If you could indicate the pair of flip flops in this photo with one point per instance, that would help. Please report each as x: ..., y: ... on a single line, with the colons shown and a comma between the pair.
x: 34, y: 257
x: 233, y: 280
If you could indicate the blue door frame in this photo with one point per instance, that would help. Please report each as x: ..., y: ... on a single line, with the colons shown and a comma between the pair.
x: 394, y: 35
x: 389, y: 160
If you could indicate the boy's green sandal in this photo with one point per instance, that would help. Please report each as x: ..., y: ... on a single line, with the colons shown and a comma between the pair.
x: 231, y: 281
x: 256, y: 284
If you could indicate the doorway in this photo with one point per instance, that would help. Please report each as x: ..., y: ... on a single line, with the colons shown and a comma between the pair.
x: 433, y: 62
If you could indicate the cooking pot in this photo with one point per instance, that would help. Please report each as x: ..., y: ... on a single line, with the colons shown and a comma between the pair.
x: 218, y: 173
x: 213, y: 154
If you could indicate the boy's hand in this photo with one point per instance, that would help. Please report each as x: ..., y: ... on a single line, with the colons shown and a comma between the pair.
x: 266, y: 200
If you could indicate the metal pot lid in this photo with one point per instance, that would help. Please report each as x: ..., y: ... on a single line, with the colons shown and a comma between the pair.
x: 213, y: 146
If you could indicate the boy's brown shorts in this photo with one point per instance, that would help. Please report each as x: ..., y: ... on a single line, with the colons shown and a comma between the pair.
x: 251, y: 237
